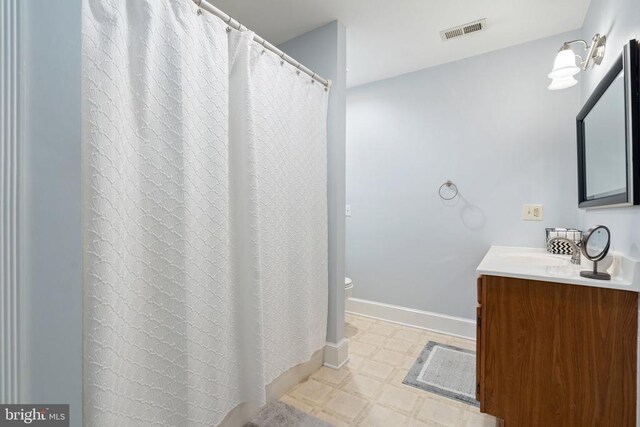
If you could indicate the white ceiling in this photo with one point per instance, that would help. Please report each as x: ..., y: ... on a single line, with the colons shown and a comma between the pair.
x: 386, y: 38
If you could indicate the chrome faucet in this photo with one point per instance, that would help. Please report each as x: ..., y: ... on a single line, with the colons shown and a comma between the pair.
x: 575, y: 250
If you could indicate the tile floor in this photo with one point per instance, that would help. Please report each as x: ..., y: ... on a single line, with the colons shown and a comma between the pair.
x: 368, y: 390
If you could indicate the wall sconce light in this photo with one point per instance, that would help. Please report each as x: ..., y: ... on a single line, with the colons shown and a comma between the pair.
x: 565, y: 67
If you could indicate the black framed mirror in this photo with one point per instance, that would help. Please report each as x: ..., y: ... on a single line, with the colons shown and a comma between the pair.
x: 608, y: 129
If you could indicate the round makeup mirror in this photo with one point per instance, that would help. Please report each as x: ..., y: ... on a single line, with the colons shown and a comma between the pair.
x: 595, y: 246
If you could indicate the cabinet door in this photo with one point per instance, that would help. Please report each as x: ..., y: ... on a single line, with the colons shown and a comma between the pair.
x: 479, y: 343
x: 558, y: 355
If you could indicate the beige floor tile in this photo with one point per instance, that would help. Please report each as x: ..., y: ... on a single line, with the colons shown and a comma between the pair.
x: 434, y: 336
x: 312, y: 391
x: 462, y: 343
x: 479, y: 420
x: 355, y: 362
x: 413, y: 336
x: 379, y: 370
x: 350, y: 331
x: 473, y: 409
x: 331, y: 376
x: 360, y: 348
x: 397, y: 398
x: 379, y: 416
x: 458, y: 404
x: 297, y: 404
x: 440, y: 412
x: 409, y: 361
x: 398, y: 345
x: 330, y: 419
x: 368, y: 390
x: 450, y: 402
x: 373, y: 339
x: 398, y: 376
x: 413, y: 422
x: 389, y: 357
x: 362, y: 385
x: 383, y: 328
x: 362, y: 323
x: 345, y: 405
x: 417, y: 349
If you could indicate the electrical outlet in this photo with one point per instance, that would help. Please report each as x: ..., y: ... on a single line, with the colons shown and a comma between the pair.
x: 532, y: 212
x: 347, y: 210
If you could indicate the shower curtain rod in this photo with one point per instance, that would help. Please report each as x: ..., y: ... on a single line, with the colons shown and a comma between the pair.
x: 205, y: 5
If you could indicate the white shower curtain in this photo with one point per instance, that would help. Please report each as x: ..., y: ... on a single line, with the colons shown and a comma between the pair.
x: 204, y: 215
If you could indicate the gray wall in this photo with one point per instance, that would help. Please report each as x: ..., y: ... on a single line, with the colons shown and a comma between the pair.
x: 324, y: 51
x: 487, y: 123
x: 620, y: 21
x: 51, y: 286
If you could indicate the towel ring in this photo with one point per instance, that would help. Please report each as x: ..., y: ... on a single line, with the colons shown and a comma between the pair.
x: 450, y: 185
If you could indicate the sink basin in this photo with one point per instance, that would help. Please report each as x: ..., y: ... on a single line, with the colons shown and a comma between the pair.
x: 538, y: 264
x: 537, y: 260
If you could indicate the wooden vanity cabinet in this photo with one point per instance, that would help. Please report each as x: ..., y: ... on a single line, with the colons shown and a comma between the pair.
x: 551, y: 354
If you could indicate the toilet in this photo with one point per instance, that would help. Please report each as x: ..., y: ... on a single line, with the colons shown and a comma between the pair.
x: 348, y: 288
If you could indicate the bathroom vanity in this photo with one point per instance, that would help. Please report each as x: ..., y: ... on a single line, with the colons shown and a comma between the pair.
x: 553, y: 348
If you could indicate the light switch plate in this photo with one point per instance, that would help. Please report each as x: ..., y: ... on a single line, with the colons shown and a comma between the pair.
x: 532, y: 212
x: 347, y: 210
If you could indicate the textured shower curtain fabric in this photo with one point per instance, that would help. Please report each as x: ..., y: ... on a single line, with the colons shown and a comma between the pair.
x: 280, y: 118
x: 205, y: 227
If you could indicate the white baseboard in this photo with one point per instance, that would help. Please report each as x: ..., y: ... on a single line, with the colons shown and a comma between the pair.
x: 336, y: 355
x: 441, y: 323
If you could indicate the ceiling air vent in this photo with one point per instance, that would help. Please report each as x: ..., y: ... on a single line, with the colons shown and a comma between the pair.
x: 463, y: 30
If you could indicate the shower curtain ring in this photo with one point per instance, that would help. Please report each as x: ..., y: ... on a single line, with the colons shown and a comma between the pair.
x: 199, y: 12
x: 228, y: 29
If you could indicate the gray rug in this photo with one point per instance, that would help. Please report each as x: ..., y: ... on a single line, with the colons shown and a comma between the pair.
x: 445, y: 370
x: 279, y: 414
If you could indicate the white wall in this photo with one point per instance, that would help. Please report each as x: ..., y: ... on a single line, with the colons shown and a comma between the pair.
x: 619, y: 20
x: 51, y: 239
x: 490, y: 125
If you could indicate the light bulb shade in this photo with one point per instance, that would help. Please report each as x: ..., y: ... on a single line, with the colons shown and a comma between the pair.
x: 563, y: 83
x: 564, y: 65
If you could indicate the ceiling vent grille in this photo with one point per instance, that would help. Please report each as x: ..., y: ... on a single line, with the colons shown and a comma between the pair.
x: 463, y: 30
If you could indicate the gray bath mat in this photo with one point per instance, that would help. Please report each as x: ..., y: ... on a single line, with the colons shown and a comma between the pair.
x: 445, y: 370
x: 279, y: 414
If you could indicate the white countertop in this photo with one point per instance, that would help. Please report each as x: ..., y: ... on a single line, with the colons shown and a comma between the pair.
x: 538, y: 264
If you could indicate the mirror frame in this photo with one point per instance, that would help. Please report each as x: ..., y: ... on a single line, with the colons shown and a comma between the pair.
x: 585, y: 241
x: 627, y: 61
